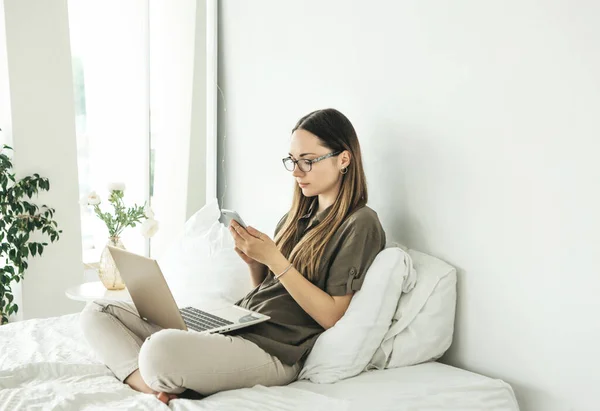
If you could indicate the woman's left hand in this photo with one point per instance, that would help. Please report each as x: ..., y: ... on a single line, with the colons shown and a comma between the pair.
x: 254, y: 244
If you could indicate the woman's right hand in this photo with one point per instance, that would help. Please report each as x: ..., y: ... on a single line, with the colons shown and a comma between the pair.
x: 258, y: 270
x: 252, y: 263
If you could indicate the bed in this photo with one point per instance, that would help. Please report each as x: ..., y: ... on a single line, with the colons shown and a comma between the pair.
x: 46, y: 364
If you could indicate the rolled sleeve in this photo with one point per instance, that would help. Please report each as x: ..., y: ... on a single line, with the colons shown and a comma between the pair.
x: 359, y: 245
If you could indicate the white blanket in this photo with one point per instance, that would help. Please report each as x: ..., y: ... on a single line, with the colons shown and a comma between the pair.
x: 47, y: 365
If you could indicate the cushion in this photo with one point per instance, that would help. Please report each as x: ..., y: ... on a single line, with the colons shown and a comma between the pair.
x: 202, y: 264
x: 423, y: 324
x: 345, y: 349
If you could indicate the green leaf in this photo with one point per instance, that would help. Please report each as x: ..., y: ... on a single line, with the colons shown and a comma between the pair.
x: 19, y: 218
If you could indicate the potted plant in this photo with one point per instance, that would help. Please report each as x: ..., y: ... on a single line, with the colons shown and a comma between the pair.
x: 121, y: 218
x: 20, y: 219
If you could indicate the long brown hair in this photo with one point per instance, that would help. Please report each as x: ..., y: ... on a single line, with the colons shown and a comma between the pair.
x: 336, y: 133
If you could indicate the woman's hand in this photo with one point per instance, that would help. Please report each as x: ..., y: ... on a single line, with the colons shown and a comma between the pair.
x: 247, y: 260
x: 252, y: 245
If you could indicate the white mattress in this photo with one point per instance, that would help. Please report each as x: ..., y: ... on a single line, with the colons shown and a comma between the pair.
x: 430, y: 386
x: 47, y: 365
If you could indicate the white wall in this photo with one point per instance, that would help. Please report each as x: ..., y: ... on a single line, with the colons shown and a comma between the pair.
x: 5, y: 135
x: 4, y: 89
x: 479, y: 128
x: 43, y: 137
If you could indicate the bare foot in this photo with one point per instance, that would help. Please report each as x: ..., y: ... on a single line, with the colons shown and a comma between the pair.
x: 136, y: 382
x: 166, y: 397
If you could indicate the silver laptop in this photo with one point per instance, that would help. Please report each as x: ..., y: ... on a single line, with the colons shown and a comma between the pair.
x: 155, y: 303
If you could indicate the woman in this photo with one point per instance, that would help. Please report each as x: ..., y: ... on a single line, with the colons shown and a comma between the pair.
x: 304, y: 280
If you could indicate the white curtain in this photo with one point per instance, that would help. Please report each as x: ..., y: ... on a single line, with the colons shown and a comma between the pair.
x: 175, y: 62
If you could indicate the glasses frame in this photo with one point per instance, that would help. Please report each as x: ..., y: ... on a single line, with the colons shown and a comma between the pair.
x: 310, y: 162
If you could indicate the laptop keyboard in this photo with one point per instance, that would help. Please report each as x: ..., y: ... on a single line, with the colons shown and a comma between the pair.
x: 199, y: 320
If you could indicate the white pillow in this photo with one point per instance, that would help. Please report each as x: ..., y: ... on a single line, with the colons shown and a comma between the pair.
x: 202, y: 264
x: 423, y: 324
x: 345, y: 349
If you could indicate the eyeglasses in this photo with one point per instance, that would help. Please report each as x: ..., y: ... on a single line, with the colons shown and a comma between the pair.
x: 305, y: 165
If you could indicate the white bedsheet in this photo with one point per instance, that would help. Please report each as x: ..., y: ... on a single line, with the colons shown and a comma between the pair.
x: 47, y: 365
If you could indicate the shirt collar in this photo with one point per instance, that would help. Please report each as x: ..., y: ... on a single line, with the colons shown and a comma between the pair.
x: 311, y: 209
x: 320, y: 216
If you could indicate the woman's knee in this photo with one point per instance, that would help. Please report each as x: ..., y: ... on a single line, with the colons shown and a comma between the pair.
x: 158, y: 361
x: 90, y: 314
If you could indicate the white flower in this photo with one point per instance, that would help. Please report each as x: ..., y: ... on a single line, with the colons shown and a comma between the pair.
x: 148, y: 212
x: 149, y: 227
x: 91, y: 199
x: 116, y: 187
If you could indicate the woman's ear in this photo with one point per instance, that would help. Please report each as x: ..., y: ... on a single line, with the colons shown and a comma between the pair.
x: 345, y: 157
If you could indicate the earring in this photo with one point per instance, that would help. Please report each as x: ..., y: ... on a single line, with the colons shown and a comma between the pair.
x: 344, y: 170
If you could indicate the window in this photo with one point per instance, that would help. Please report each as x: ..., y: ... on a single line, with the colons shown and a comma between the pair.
x: 109, y: 45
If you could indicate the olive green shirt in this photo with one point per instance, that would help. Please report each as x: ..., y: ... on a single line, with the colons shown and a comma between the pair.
x: 291, y: 333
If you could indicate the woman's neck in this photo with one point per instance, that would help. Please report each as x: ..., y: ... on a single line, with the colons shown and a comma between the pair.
x: 324, y: 202
x: 327, y: 198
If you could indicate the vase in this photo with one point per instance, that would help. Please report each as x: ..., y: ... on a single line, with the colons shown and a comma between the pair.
x: 107, y: 270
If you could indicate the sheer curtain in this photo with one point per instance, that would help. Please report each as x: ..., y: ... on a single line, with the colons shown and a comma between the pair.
x: 172, y: 65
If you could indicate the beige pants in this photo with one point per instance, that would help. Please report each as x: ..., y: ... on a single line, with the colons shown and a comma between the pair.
x: 174, y: 360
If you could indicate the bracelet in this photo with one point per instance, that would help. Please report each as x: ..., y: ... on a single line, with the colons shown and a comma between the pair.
x: 284, y: 271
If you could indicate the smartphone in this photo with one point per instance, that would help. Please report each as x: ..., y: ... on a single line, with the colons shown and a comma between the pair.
x: 228, y: 215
